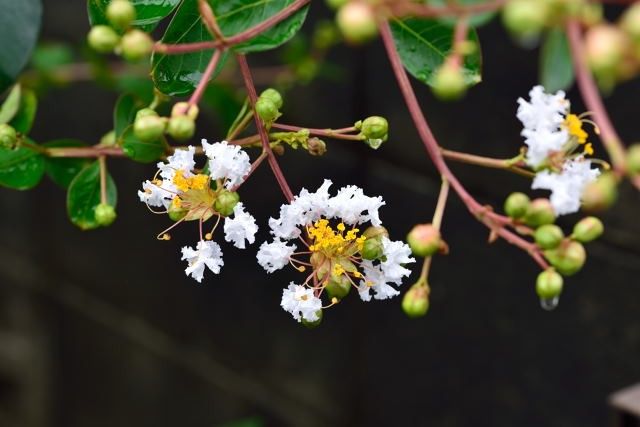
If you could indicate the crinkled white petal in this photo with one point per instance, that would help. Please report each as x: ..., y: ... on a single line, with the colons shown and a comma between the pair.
x: 568, y: 185
x: 544, y: 111
x: 207, y: 254
x: 375, y: 280
x: 275, y: 255
x: 350, y: 205
x: 301, y: 303
x: 227, y: 161
x: 541, y: 143
x: 240, y: 228
x: 396, y: 254
x: 158, y: 195
x: 181, y: 159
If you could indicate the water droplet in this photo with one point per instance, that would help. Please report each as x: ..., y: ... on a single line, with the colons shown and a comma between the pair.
x: 549, y: 303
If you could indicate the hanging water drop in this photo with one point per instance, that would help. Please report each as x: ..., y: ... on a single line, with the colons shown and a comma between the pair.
x: 549, y: 303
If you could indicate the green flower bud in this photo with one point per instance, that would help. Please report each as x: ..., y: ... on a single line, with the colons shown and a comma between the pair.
x: 149, y: 128
x: 325, y: 35
x: 549, y: 284
x: 183, y: 108
x: 415, y: 302
x: 336, y: 4
x: 121, y: 13
x: 525, y: 18
x: 374, y: 127
x: 105, y: 214
x: 373, y: 232
x: 517, y: 205
x: 604, y: 48
x: 568, y: 258
x: 448, y: 82
x: 181, y: 128
x: 316, y: 146
x: 176, y: 214
x: 600, y: 194
x: 548, y: 236
x: 630, y: 22
x: 424, y: 240
x: 540, y: 212
x: 267, y: 110
x: 225, y: 202
x: 315, y: 323
x: 274, y: 96
x: 108, y: 138
x: 103, y: 39
x: 135, y: 45
x: 356, y: 22
x: 338, y: 286
x: 146, y: 112
x: 588, y: 229
x: 372, y: 248
x: 633, y: 160
x: 8, y: 136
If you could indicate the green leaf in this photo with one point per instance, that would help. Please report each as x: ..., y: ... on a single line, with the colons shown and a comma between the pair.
x: 84, y: 195
x: 148, y: 12
x: 26, y: 114
x: 11, y: 105
x: 62, y: 170
x: 178, y: 75
x: 143, y: 152
x: 475, y: 19
x: 19, y: 28
x: 47, y: 57
x: 556, y: 68
x: 424, y: 44
x: 124, y: 113
x: 21, y: 168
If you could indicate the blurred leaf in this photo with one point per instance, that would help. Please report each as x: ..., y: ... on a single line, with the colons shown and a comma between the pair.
x: 223, y: 101
x: 23, y: 120
x: 178, y: 75
x: 84, y: 195
x: 21, y: 168
x: 124, y: 113
x: 11, y: 105
x: 143, y: 152
x: 247, y: 422
x: 423, y: 46
x: 475, y: 20
x: 48, y: 57
x: 140, y: 86
x: 556, y: 68
x: 62, y: 170
x: 19, y: 28
x: 148, y: 12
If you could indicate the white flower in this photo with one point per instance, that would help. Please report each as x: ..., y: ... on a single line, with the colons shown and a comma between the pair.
x: 350, y: 203
x: 301, y: 303
x: 227, y: 161
x: 158, y: 195
x: 396, y: 253
x: 568, y: 185
x: 181, y: 159
x: 240, y: 228
x: 545, y: 111
x: 375, y: 279
x: 207, y: 254
x: 541, y: 143
x: 275, y: 255
x: 160, y: 192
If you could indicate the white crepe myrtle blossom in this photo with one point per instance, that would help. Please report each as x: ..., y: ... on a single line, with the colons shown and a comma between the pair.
x: 187, y: 193
x: 339, y: 255
x: 301, y: 302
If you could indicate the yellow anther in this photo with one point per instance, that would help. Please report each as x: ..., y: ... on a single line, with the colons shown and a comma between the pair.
x: 208, y: 236
x: 334, y: 300
x: 338, y: 270
x: 341, y: 227
x: 574, y: 126
x: 588, y: 149
x: 301, y: 268
x: 176, y: 202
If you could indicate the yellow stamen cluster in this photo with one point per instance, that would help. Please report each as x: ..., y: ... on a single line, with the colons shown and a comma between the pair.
x: 184, y: 184
x: 176, y: 202
x: 326, y: 239
x: 574, y: 126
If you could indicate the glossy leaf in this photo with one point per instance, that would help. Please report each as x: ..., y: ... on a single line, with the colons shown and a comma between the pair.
x: 148, y: 12
x: 21, y: 168
x: 19, y: 28
x: 124, y: 113
x: 62, y: 170
x: 143, y: 152
x: 23, y: 120
x: 10, y: 105
x: 556, y: 68
x: 475, y: 20
x: 424, y: 44
x: 84, y: 195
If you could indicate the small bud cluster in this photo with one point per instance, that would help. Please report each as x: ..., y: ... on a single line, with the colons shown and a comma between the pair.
x: 149, y: 126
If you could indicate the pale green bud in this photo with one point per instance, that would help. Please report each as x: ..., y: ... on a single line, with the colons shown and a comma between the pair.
x: 540, y: 212
x: 588, y: 229
x: 424, y: 240
x: 548, y: 236
x: 415, y: 302
x: 356, y: 22
x: 568, y: 258
x: 226, y: 202
x: 105, y: 214
x: 103, y: 39
x: 121, y: 13
x: 549, y: 284
x: 135, y: 45
x: 516, y: 205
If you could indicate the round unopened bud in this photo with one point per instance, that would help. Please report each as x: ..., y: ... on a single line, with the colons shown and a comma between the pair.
x: 335, y: 4
x: 448, y: 82
x: 267, y: 109
x: 149, y: 128
x: 549, y: 284
x: 121, y: 13
x: 415, y: 302
x: 374, y: 127
x: 600, y: 194
x: 356, y: 22
x: 225, y: 202
x: 316, y: 146
x: 108, y: 138
x: 338, y: 286
x: 135, y: 45
x: 181, y: 128
x: 540, y: 212
x: 604, y: 48
x: 103, y: 38
x: 372, y: 232
x: 590, y: 14
x: 517, y: 205
x: 313, y: 324
x: 175, y: 213
x: 568, y: 258
x: 424, y: 240
x: 630, y: 22
x: 588, y: 229
x: 8, y: 136
x: 274, y: 96
x: 525, y: 18
x: 105, y: 214
x: 372, y: 248
x: 633, y: 159
x: 146, y: 112
x: 548, y: 236
x: 183, y: 108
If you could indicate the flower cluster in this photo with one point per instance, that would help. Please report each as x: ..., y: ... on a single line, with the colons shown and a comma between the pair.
x: 339, y: 254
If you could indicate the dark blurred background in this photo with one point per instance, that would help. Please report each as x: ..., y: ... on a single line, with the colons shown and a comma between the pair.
x: 103, y: 328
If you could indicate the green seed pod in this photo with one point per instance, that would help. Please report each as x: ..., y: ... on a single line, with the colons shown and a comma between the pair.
x: 525, y: 18
x: 449, y: 83
x: 633, y: 158
x: 136, y: 45
x: 121, y: 13
x: 103, y: 39
x: 372, y: 248
x: 274, y: 96
x: 424, y: 240
x: 226, y: 202
x: 517, y: 205
x: 315, y: 323
x: 600, y: 194
x: 357, y: 22
x: 267, y: 110
x: 8, y: 136
x: 568, y: 258
x: 548, y: 236
x: 183, y: 108
x: 181, y: 128
x: 540, y: 212
x: 374, y: 127
x: 338, y: 286
x: 105, y: 214
x: 588, y: 229
x: 176, y: 214
x: 149, y: 128
x: 549, y: 284
x: 415, y: 302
